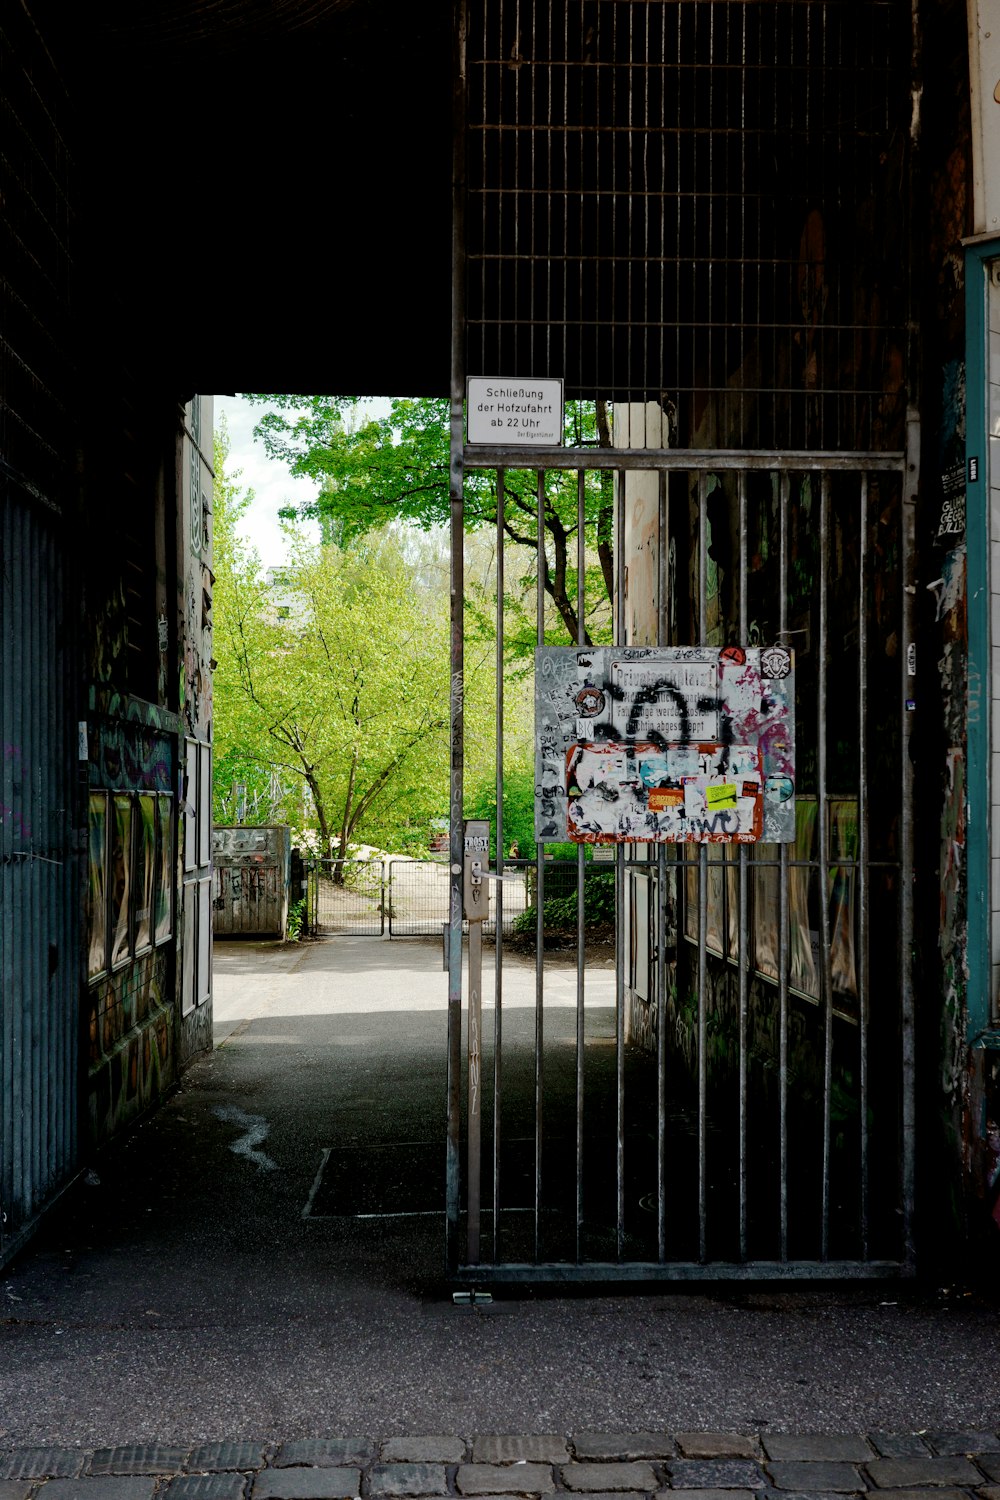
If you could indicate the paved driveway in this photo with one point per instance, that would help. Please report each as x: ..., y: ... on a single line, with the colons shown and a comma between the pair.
x: 214, y: 1285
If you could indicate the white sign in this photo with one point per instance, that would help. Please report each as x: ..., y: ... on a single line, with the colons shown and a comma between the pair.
x: 505, y: 411
x: 675, y: 700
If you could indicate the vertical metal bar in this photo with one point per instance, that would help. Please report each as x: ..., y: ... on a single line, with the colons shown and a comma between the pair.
x: 620, y: 639
x: 743, y: 954
x: 7, y: 657
x: 475, y: 1086
x: 385, y: 889
x: 539, y: 896
x: 864, y: 895
x: 826, y: 983
x: 21, y: 1127
x: 581, y: 951
x: 783, y: 492
x: 908, y: 1111
x: 10, y: 927
x: 498, y: 975
x: 661, y: 909
x: 702, y: 905
x: 457, y: 688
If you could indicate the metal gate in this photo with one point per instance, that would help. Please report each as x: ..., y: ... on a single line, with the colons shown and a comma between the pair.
x: 739, y: 1103
x: 398, y: 898
x: 347, y: 897
x: 693, y: 220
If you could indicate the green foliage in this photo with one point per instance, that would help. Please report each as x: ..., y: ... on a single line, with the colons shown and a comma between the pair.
x: 518, y: 810
x: 518, y: 813
x: 337, y: 687
x: 372, y: 470
x: 296, y: 921
x: 559, y: 912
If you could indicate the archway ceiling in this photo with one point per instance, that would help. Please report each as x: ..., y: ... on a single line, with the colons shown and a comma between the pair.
x: 268, y: 189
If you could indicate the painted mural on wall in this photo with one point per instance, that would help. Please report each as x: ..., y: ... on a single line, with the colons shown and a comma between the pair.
x: 664, y: 744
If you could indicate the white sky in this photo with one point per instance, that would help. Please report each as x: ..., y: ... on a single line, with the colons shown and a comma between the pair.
x: 272, y: 483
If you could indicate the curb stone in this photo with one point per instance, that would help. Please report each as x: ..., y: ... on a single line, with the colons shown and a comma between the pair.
x: 545, y: 1448
x: 505, y: 1479
x: 587, y: 1466
x: 710, y: 1494
x: 42, y: 1463
x: 899, y: 1444
x: 330, y: 1453
x: 307, y: 1484
x: 950, y: 1443
x: 609, y: 1477
x: 612, y: 1447
x: 139, y: 1458
x: 717, y: 1445
x: 817, y: 1475
x: 224, y: 1486
x: 216, y: 1456
x: 101, y: 1487
x: 424, y: 1450
x: 813, y: 1447
x: 907, y: 1473
x: 407, y: 1479
x: 718, y: 1474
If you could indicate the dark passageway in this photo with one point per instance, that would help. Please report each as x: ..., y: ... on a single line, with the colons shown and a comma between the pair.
x: 187, y: 1294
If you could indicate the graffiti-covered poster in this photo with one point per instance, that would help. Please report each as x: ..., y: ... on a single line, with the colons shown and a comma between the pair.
x: 664, y: 744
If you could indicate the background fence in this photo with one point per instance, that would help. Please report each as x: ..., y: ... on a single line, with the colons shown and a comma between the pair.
x: 409, y: 897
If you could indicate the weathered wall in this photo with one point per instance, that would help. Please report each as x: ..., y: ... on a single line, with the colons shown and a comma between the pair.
x: 148, y: 729
x: 949, y: 687
x: 40, y: 861
x: 194, y: 584
x: 131, y: 1005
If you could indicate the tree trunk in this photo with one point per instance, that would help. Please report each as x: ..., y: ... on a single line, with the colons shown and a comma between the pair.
x: 606, y: 514
x: 347, y: 822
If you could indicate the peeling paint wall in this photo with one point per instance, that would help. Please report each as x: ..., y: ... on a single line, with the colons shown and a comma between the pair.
x: 149, y: 701
x: 195, y: 581
x: 950, y: 685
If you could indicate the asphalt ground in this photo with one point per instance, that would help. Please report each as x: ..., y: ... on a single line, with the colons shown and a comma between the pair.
x: 216, y: 1285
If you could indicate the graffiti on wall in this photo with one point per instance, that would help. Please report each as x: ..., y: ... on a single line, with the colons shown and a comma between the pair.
x: 664, y: 744
x: 129, y: 877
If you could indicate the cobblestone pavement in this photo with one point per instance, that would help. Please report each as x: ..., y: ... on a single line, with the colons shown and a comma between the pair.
x: 600, y: 1466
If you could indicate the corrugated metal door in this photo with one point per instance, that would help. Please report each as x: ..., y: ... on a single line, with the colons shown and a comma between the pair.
x: 39, y: 868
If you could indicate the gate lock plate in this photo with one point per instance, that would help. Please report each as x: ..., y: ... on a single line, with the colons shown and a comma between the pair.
x: 475, y: 900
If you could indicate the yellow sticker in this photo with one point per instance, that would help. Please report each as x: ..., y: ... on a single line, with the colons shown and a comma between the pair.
x: 721, y: 796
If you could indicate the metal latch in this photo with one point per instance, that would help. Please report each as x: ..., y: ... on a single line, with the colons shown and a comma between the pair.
x: 472, y: 1299
x: 479, y: 874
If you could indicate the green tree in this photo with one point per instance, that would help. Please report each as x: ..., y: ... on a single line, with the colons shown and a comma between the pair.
x: 374, y: 469
x: 343, y: 687
x: 242, y: 753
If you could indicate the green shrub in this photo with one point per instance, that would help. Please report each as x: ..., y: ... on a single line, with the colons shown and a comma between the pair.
x: 296, y: 921
x: 559, y: 912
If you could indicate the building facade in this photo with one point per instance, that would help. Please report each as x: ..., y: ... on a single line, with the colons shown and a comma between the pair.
x: 764, y: 228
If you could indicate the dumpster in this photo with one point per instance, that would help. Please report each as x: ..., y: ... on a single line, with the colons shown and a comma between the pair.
x: 252, y: 871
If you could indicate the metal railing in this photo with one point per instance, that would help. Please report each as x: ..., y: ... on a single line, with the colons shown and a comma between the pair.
x: 408, y: 897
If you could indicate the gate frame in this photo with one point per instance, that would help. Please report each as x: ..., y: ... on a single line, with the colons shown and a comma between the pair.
x: 662, y: 461
x: 700, y: 462
x: 314, y: 868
